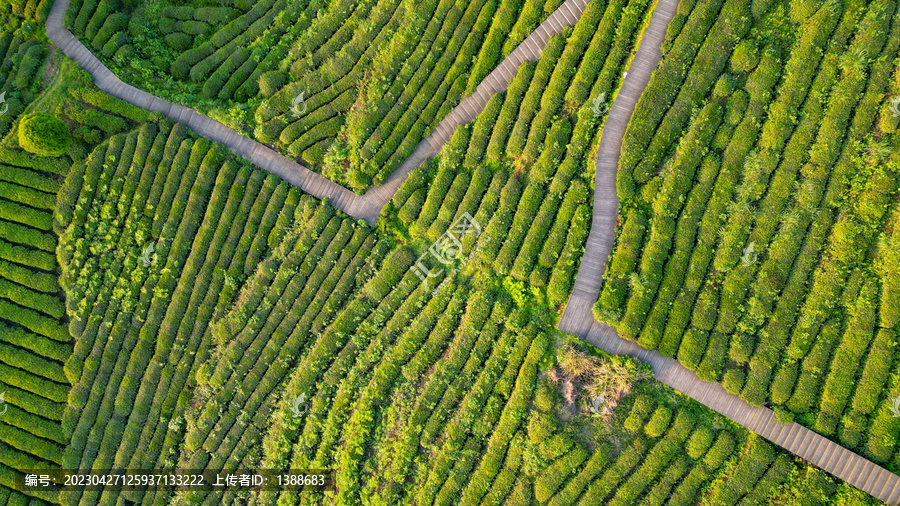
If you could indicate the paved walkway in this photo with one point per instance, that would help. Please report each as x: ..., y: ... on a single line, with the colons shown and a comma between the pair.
x: 366, y: 207
x: 578, y: 318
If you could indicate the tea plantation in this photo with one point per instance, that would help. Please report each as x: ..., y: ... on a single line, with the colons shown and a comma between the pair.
x: 759, y: 215
x: 167, y: 305
x: 289, y: 72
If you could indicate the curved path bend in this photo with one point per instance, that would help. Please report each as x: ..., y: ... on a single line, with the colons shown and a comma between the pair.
x: 578, y: 318
x: 366, y: 207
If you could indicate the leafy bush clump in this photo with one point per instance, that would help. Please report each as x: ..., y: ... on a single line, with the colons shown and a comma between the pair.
x: 745, y: 57
x: 43, y: 134
x: 659, y: 422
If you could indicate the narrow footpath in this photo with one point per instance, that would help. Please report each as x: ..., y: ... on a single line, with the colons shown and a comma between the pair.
x: 578, y: 318
x: 366, y: 207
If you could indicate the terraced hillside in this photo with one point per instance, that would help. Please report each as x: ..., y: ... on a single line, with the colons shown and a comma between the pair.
x: 671, y: 452
x: 34, y: 330
x: 167, y: 305
x: 758, y: 211
x: 522, y: 167
x: 350, y: 87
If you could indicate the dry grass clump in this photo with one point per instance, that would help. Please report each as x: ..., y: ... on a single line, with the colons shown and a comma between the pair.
x: 603, y: 381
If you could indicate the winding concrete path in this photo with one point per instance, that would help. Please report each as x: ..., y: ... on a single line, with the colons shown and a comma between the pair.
x: 578, y: 318
x: 366, y: 207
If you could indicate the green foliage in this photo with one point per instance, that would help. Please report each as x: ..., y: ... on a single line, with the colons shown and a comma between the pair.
x: 43, y: 134
x: 659, y: 422
x: 700, y: 441
x: 745, y: 57
x: 435, y: 391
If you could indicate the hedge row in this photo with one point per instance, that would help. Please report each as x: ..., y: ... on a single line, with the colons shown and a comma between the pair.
x: 199, y: 61
x: 36, y: 219
x: 42, y: 302
x: 221, y: 237
x: 625, y: 461
x: 845, y: 96
x: 595, y: 464
x: 499, y: 375
x: 314, y: 298
x: 334, y: 78
x: 760, y: 81
x: 140, y: 342
x: 660, y: 92
x: 563, y: 276
x: 520, y: 381
x: 505, y: 17
x: 453, y: 376
x: 530, y: 16
x: 22, y: 440
x: 754, y: 461
x: 706, y: 67
x: 559, y: 83
x: 41, y: 346
x: 463, y: 196
x: 526, y: 213
x: 781, y: 252
x: 659, y: 457
x: 667, y: 204
x: 391, y: 144
x: 482, y: 130
x: 496, y: 149
x: 27, y: 196
x: 92, y: 117
x: 553, y: 476
x: 47, y: 389
x: 30, y: 364
x: 20, y: 158
x: 160, y: 431
x: 675, y: 273
x: 849, y: 353
x: 531, y: 101
x: 113, y: 105
x: 29, y: 179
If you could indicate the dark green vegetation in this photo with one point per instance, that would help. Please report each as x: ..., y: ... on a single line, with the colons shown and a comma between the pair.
x: 759, y: 213
x: 350, y: 86
x: 271, y: 295
x: 162, y: 230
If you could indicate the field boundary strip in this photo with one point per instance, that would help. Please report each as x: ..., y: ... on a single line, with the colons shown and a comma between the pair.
x: 366, y: 207
x: 578, y: 318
